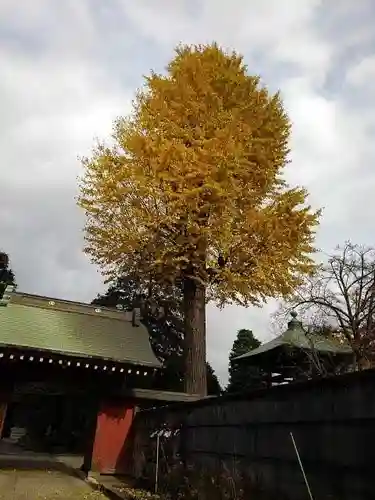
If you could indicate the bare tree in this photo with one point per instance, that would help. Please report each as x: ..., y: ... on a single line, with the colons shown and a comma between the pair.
x: 341, y: 295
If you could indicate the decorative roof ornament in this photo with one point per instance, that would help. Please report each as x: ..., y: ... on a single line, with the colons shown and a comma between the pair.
x: 294, y: 323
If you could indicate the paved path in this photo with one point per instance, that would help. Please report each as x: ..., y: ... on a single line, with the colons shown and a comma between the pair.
x: 44, y: 484
x: 25, y: 475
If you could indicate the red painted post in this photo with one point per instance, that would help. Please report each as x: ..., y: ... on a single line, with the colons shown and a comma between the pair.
x: 112, y: 430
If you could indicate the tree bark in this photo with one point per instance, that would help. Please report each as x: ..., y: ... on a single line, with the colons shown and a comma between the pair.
x: 195, y: 379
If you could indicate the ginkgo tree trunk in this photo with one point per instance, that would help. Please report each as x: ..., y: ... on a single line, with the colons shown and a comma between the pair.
x: 190, y: 191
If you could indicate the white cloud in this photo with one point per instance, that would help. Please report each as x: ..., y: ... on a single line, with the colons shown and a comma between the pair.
x: 362, y: 73
x: 67, y: 69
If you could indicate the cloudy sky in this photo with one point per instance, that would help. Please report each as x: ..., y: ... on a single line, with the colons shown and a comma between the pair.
x: 68, y: 68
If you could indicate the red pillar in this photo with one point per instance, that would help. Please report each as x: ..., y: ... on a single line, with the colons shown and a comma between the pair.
x: 113, y: 424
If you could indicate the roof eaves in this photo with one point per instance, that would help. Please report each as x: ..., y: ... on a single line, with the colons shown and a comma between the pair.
x: 71, y: 354
x: 268, y: 346
x: 56, y: 352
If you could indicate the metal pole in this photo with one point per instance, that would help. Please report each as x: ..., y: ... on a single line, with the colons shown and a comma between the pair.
x: 301, y: 466
x: 157, y: 461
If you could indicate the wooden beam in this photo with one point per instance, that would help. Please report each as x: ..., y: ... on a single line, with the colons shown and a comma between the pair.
x: 154, y: 395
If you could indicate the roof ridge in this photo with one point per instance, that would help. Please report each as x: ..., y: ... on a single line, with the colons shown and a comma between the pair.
x: 64, y: 305
x: 47, y: 297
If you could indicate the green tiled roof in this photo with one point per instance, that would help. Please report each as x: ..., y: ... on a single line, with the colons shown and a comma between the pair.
x: 295, y: 337
x: 74, y: 329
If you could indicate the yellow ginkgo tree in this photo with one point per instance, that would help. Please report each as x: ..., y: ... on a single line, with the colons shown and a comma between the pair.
x: 190, y: 192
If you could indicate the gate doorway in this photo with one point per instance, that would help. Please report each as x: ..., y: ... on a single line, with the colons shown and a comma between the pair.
x: 50, y: 423
x: 42, y: 425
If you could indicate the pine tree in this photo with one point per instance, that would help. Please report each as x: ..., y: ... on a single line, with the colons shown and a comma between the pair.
x: 241, y: 375
x: 191, y: 192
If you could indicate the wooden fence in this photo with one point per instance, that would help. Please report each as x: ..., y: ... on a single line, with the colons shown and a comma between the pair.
x: 332, y: 421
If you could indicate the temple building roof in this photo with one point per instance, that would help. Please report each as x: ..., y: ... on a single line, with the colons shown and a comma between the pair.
x: 295, y: 337
x: 74, y: 329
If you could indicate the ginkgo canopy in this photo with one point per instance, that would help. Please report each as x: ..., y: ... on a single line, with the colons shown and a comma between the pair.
x: 192, y: 186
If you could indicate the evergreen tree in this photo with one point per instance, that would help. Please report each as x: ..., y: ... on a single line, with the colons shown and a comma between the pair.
x: 6, y: 274
x: 6, y: 278
x: 213, y: 384
x: 241, y: 375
